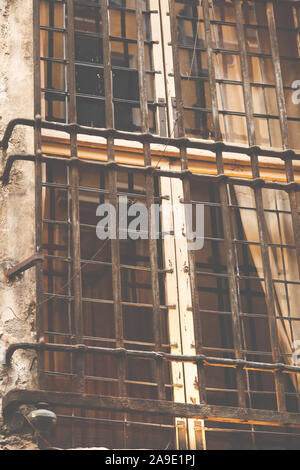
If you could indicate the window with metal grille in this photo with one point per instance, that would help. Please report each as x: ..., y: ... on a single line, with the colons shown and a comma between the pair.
x: 89, y: 71
x: 234, y: 29
x: 137, y: 372
x: 196, y: 348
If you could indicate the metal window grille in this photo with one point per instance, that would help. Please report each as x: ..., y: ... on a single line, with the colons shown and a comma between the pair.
x: 250, y: 376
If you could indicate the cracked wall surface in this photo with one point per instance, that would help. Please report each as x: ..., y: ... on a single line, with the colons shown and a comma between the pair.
x: 11, y: 441
x: 17, y: 230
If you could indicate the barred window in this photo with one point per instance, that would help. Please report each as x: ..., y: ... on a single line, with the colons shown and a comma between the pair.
x: 179, y: 102
x: 223, y: 38
x: 89, y: 71
x: 131, y: 322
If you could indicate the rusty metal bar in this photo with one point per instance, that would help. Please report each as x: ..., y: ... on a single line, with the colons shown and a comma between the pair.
x: 226, y: 216
x: 24, y: 265
x: 215, y: 179
x: 16, y: 397
x: 288, y: 163
x: 9, y: 163
x: 187, y: 194
x: 245, y: 71
x: 113, y: 196
x: 290, y: 170
x: 294, y: 208
x: 284, y: 134
x: 150, y: 197
x: 269, y: 289
x: 233, y: 290
x: 38, y: 182
x: 21, y: 121
x: 277, y: 74
x: 156, y: 355
x: 75, y: 214
x: 211, y: 71
x: 240, y: 21
x: 176, y: 142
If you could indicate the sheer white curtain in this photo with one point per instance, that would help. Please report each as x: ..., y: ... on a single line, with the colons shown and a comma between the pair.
x: 267, y: 131
x: 283, y: 260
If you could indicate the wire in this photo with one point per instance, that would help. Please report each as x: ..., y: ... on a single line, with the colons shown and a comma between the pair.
x: 19, y: 318
x: 73, y: 277
x: 67, y: 284
x: 38, y: 434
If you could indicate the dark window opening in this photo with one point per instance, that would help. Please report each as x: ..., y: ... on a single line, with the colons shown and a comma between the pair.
x: 89, y: 73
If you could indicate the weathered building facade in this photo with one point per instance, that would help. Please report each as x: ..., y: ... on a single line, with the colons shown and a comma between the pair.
x: 139, y: 341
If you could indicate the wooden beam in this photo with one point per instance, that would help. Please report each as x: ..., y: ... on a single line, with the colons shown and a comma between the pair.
x: 13, y: 399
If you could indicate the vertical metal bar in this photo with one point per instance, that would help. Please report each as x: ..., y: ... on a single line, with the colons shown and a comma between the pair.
x: 289, y: 167
x: 50, y: 54
x: 187, y: 198
x: 71, y: 67
x: 150, y: 192
x: 226, y: 215
x: 109, y: 108
x: 38, y: 184
x: 251, y: 325
x: 294, y: 207
x: 211, y: 70
x: 277, y: 74
x: 219, y: 42
x: 291, y: 178
x: 142, y: 71
x: 75, y: 215
x: 176, y: 68
x: 269, y: 290
x: 279, y: 384
x: 112, y: 183
x: 284, y: 136
x: 196, y: 70
x: 51, y: 238
x: 245, y: 71
x: 220, y: 283
x: 261, y: 63
x: 233, y: 291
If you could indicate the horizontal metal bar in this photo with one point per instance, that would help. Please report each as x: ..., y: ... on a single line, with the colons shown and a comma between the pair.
x: 169, y: 174
x: 197, y: 359
x: 218, y: 50
x: 226, y: 81
x: 13, y: 399
x: 114, y: 422
x: 293, y: 2
x: 147, y: 42
x: 9, y: 163
x: 231, y: 23
x: 53, y: 29
x: 107, y: 263
x: 107, y: 301
x: 24, y: 265
x: 94, y: 65
x: 97, y: 339
x: 132, y: 103
x: 238, y: 276
x: 54, y: 59
x: 131, y: 10
x: 177, y: 142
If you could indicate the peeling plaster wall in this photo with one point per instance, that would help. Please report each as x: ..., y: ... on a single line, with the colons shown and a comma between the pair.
x: 17, y: 230
x: 11, y: 441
